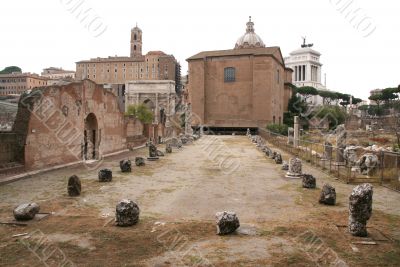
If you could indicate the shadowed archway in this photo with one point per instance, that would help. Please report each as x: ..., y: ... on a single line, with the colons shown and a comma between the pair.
x: 91, y: 138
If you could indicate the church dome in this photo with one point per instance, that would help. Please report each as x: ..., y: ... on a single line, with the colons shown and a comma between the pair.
x: 250, y: 39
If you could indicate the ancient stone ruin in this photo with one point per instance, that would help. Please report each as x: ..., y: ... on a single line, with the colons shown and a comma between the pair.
x: 368, y: 164
x: 328, y: 195
x: 227, y: 222
x: 125, y: 165
x: 268, y: 151
x: 139, y: 161
x: 328, y: 149
x: 360, y: 209
x: 105, y: 175
x: 127, y: 213
x: 26, y: 211
x: 168, y: 148
x: 341, y: 136
x: 309, y: 181
x: 152, y: 150
x: 278, y: 158
x: 160, y: 153
x: 294, y: 168
x: 285, y: 166
x: 74, y: 186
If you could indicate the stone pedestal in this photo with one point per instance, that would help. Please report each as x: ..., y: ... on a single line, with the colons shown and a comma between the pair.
x: 295, y: 169
x: 360, y: 209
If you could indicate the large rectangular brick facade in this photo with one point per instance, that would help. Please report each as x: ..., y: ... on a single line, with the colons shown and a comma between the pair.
x: 255, y: 98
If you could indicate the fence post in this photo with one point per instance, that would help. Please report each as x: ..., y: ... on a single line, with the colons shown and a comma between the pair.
x: 382, y: 165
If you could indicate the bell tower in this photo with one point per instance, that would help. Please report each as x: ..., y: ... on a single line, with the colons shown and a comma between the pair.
x: 136, y: 42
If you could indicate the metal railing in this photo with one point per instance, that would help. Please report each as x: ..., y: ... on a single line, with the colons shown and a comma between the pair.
x: 386, y: 173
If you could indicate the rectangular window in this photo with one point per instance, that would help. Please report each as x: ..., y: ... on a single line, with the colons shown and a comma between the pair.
x: 277, y: 76
x: 229, y: 74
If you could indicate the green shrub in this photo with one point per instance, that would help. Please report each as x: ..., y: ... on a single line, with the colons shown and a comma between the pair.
x: 141, y: 112
x: 278, y: 128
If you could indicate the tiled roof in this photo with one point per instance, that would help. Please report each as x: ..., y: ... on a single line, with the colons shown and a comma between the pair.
x: 236, y: 52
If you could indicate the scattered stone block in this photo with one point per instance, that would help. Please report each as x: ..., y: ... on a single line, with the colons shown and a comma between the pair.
x: 309, y: 181
x: 227, y: 222
x: 105, y: 175
x: 127, y: 213
x: 125, y: 165
x: 295, y: 168
x: 152, y: 150
x: 285, y: 166
x: 168, y: 148
x: 26, y: 211
x: 328, y: 195
x: 139, y: 161
x: 360, y: 209
x: 74, y: 186
x: 278, y: 158
x: 160, y: 153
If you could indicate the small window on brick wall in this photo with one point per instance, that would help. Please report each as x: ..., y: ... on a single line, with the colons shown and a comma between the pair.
x: 229, y: 74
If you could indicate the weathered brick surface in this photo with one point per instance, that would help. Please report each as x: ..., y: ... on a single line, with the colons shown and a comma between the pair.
x: 51, y: 124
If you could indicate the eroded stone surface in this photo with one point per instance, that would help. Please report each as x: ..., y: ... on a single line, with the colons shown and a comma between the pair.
x: 278, y: 158
x: 139, y: 161
x: 152, y: 150
x: 285, y: 166
x: 26, y: 211
x: 328, y: 195
x: 360, y: 209
x: 125, y: 165
x: 295, y: 168
x: 74, y: 186
x: 105, y: 175
x: 127, y: 213
x: 309, y: 181
x: 227, y: 222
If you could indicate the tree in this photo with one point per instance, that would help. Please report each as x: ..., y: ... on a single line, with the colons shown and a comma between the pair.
x: 356, y: 100
x: 345, y: 99
x: 10, y: 69
x: 334, y: 114
x: 377, y: 98
x: 389, y: 95
x: 327, y: 96
x: 296, y: 107
x: 307, y: 92
x: 141, y: 112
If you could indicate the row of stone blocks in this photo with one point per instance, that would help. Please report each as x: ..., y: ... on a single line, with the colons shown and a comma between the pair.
x: 27, y: 211
x: 360, y: 200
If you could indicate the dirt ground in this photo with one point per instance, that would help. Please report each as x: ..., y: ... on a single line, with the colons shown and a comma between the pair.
x: 281, y: 223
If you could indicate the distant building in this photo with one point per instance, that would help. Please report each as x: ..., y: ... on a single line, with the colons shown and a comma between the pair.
x: 244, y: 87
x: 374, y: 92
x: 17, y: 83
x: 306, y: 66
x: 55, y: 75
x: 159, y: 97
x: 155, y: 65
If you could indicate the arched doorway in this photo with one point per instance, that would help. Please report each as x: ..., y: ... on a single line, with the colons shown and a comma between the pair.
x: 91, y: 138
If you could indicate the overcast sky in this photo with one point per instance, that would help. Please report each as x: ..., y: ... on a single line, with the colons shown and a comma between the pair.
x: 359, y: 40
